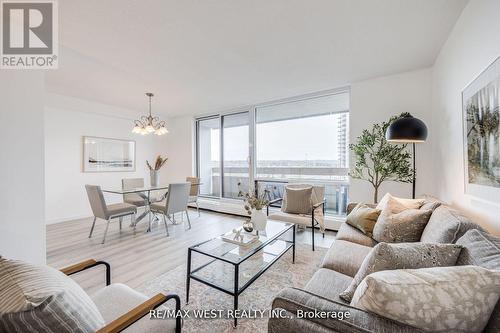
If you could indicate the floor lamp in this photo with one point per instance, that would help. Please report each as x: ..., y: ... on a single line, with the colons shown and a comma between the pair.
x: 407, y: 129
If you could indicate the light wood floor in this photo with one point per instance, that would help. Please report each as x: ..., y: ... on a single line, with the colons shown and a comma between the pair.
x: 136, y: 259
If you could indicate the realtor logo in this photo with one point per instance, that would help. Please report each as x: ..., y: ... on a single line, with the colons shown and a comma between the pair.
x: 29, y: 34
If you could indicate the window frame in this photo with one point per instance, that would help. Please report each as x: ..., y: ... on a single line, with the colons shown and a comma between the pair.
x: 252, y: 130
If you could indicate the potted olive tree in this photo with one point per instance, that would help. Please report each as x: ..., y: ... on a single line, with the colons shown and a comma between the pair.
x: 377, y: 160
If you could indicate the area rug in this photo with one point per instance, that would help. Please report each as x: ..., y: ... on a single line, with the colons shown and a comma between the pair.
x: 258, y: 296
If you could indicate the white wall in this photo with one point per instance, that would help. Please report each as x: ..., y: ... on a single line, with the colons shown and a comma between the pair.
x: 66, y: 121
x: 180, y: 149
x: 473, y: 44
x: 22, y: 227
x: 376, y: 100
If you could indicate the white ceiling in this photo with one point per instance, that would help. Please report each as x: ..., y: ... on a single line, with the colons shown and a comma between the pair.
x: 203, y: 56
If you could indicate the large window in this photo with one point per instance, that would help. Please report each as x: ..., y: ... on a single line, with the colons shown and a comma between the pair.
x: 208, y: 156
x: 235, y: 154
x: 300, y: 140
x: 306, y: 141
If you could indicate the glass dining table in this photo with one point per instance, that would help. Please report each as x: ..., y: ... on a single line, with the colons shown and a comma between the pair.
x: 148, y: 200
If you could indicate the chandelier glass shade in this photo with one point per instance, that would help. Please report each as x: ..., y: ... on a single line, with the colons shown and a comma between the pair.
x: 149, y: 124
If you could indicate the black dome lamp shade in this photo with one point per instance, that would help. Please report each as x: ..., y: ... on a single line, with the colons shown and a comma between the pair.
x: 407, y: 129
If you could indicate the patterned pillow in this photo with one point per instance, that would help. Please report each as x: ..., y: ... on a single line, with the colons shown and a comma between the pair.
x: 482, y: 249
x: 405, y: 226
x: 297, y: 200
x: 396, y: 205
x: 42, y: 299
x: 438, y: 299
x: 385, y: 256
x: 363, y: 218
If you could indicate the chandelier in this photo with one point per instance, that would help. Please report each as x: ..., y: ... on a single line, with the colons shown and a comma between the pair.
x: 149, y: 124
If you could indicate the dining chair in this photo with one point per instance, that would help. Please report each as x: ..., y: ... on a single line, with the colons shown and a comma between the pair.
x: 136, y: 199
x: 107, y: 212
x: 193, y: 192
x: 292, y: 205
x: 176, y: 202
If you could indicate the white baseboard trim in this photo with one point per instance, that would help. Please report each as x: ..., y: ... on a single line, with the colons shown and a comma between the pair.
x: 66, y: 219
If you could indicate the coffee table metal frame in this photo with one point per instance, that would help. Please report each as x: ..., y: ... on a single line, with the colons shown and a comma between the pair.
x: 236, y: 291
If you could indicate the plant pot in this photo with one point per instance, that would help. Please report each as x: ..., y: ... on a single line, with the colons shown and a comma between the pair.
x: 154, y: 177
x: 258, y: 219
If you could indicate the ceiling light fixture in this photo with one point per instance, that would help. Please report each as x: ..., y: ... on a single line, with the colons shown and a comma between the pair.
x: 149, y: 124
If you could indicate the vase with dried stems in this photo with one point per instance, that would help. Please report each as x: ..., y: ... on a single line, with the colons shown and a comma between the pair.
x: 154, y: 171
x: 253, y: 204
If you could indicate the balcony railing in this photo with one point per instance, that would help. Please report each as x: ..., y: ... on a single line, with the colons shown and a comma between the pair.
x: 274, y: 180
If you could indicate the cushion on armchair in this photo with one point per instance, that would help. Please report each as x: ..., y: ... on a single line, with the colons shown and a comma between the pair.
x: 297, y: 200
x: 439, y: 299
x: 385, y: 256
x: 117, y: 299
x: 34, y: 297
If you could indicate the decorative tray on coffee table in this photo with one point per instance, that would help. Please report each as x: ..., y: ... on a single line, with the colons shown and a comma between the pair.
x: 240, y: 237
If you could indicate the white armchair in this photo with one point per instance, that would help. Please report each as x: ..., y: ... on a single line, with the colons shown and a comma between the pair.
x: 313, y: 217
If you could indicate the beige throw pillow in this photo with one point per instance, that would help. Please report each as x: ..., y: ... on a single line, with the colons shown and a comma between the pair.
x: 386, y: 256
x: 396, y: 205
x: 363, y: 218
x: 297, y: 200
x: 405, y: 226
x: 439, y: 299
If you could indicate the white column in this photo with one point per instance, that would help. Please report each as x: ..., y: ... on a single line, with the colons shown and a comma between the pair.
x: 22, y: 192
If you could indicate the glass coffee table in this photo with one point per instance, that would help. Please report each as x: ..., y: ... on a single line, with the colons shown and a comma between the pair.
x: 231, y: 268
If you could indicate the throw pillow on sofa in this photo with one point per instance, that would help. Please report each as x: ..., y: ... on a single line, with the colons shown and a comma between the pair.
x: 385, y: 256
x: 297, y: 200
x: 446, y: 225
x: 438, y: 299
x: 363, y: 218
x: 482, y: 249
x: 37, y: 297
x: 405, y: 226
x: 396, y: 205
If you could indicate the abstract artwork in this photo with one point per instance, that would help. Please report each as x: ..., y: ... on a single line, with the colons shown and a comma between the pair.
x: 105, y: 155
x: 482, y: 133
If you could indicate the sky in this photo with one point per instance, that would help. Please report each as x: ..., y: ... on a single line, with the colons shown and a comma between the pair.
x: 295, y: 139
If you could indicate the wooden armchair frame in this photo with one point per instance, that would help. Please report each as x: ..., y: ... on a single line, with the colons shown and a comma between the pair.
x: 134, y: 314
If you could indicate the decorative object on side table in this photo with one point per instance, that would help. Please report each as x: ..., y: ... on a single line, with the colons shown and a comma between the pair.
x: 254, y: 204
x: 377, y: 160
x: 154, y: 172
x: 481, y: 134
x: 408, y: 129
